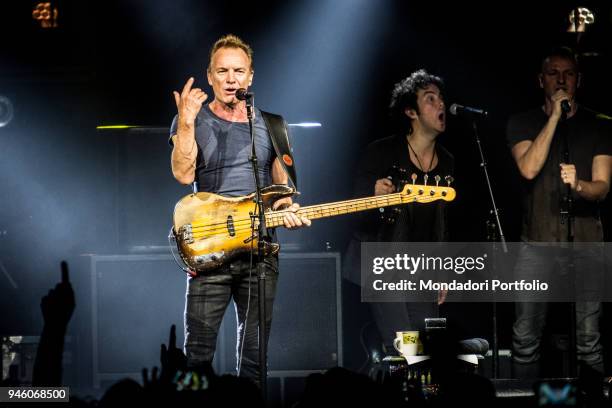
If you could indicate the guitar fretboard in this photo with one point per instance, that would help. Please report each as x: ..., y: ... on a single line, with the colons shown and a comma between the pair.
x: 424, y: 194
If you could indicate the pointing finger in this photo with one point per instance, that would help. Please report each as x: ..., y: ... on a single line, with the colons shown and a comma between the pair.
x: 65, y: 277
x: 172, y: 340
x: 187, y: 86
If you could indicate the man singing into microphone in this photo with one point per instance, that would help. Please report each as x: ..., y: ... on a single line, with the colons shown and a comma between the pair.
x: 542, y: 141
x: 212, y: 146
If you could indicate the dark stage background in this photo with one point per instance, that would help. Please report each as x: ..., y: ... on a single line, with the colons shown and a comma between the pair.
x: 68, y: 190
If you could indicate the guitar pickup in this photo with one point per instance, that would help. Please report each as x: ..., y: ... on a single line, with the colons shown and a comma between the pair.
x: 186, y: 234
x: 230, y: 226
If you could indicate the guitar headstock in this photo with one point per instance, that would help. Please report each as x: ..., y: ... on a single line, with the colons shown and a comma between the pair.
x: 424, y: 193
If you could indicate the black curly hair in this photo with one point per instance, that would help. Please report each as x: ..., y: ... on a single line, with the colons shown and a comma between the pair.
x: 404, y: 96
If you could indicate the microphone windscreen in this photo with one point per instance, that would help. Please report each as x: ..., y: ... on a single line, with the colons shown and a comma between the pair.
x: 242, y: 94
x: 565, y: 106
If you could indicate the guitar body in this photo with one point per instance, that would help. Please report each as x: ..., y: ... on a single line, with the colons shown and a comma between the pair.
x: 211, y: 230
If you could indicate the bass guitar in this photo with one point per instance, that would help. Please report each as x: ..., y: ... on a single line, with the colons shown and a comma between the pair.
x: 211, y: 230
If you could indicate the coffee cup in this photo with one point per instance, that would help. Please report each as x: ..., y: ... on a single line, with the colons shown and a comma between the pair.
x: 406, y: 342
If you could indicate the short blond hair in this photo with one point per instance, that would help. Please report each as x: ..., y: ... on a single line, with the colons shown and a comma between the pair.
x: 230, y: 41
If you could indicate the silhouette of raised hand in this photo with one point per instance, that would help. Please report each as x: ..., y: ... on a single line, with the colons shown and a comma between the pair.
x: 58, y: 305
x: 150, y: 382
x: 57, y: 308
x: 172, y: 358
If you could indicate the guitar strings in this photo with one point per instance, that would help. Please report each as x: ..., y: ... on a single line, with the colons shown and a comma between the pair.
x: 387, y: 200
x: 276, y: 217
x: 243, y: 224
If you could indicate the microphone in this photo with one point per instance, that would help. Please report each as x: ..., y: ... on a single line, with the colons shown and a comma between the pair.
x: 243, y: 95
x: 566, y: 107
x: 457, y: 109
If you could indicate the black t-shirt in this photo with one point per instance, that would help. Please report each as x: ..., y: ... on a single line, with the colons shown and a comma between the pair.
x: 586, y: 137
x: 415, y: 222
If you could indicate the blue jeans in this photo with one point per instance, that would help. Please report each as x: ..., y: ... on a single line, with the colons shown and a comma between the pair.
x: 208, y: 296
x: 530, y: 317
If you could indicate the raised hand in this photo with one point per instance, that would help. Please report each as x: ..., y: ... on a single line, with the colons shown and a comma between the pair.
x: 57, y: 308
x: 58, y: 305
x: 172, y: 358
x: 558, y: 97
x: 189, y: 102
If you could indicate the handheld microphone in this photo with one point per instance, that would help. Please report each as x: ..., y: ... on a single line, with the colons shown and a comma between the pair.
x: 566, y: 106
x: 457, y: 109
x: 243, y: 95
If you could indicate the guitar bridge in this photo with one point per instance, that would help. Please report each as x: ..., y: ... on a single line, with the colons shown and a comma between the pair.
x: 186, y: 234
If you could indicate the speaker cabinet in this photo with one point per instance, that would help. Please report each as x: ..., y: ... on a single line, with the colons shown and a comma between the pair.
x: 136, y: 298
x: 307, y: 322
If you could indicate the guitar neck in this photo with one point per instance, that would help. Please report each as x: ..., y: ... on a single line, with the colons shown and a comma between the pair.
x: 275, y: 219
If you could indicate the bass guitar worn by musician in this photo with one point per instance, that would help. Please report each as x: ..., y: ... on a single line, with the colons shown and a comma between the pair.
x: 210, y: 229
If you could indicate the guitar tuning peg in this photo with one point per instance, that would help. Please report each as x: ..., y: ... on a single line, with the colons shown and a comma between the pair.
x: 437, y: 178
x: 425, y: 178
x: 413, y: 176
x: 449, y: 180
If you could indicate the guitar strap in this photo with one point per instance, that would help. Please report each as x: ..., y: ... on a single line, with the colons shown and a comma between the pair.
x: 277, y: 128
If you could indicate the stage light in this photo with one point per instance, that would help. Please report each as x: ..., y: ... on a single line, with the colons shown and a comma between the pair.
x: 584, y: 15
x: 45, y: 14
x: 305, y: 124
x: 6, y: 111
x: 112, y: 127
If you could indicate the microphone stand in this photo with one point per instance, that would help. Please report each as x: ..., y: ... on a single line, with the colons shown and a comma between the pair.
x: 496, y: 227
x: 567, y: 216
x: 263, y: 238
